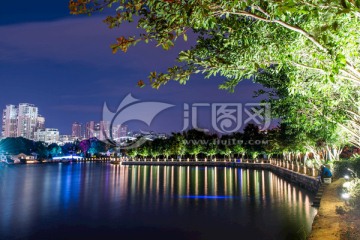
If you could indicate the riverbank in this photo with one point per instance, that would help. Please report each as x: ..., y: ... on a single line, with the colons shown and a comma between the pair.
x: 328, y: 224
x: 308, y: 182
x: 334, y: 221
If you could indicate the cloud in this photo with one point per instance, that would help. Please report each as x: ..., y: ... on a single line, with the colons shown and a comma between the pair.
x: 85, y: 40
x: 78, y: 108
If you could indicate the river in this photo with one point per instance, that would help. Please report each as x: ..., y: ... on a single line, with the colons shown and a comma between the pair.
x: 100, y: 200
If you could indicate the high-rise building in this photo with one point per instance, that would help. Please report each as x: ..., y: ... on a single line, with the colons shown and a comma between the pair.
x: 104, y: 131
x: 9, y: 121
x: 21, y: 121
x: 96, y: 132
x: 47, y: 135
x: 27, y: 120
x: 64, y: 139
x: 76, y: 130
x: 40, y: 123
x: 90, y: 128
x: 115, y: 130
x: 123, y: 131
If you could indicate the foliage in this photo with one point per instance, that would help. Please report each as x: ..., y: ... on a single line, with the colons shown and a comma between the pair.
x: 92, y: 146
x: 55, y: 150
x: 144, y: 150
x: 97, y: 146
x: 84, y: 146
x: 311, y: 122
x: 70, y: 148
x: 316, y: 40
x: 40, y: 148
x: 353, y: 189
x: 132, y: 152
x: 340, y: 167
x: 306, y: 52
x: 17, y: 145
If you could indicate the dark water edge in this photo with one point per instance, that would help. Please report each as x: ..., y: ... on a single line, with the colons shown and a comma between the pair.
x: 99, y: 200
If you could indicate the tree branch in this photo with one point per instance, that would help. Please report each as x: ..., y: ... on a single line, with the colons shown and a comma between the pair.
x: 307, y: 67
x: 284, y: 24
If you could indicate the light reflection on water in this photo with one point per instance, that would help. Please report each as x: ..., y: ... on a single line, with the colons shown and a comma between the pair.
x: 92, y: 199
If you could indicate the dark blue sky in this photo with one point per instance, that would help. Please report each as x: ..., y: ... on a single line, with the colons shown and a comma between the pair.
x: 64, y: 65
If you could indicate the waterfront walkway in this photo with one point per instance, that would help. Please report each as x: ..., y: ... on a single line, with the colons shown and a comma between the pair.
x: 328, y: 224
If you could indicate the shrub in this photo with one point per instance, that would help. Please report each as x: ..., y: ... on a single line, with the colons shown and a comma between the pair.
x: 341, y: 167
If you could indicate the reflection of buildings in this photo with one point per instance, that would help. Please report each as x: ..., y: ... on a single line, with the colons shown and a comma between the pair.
x: 22, y: 121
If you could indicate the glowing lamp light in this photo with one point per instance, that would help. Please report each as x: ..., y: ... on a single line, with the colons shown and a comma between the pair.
x: 347, y: 185
x: 345, y: 195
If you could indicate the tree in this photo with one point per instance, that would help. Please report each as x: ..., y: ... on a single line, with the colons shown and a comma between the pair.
x: 155, y: 148
x: 132, y: 152
x: 311, y: 122
x: 178, y: 145
x: 252, y: 138
x: 55, y: 150
x: 166, y: 147
x: 316, y: 39
x: 212, y: 148
x: 84, y: 146
x: 69, y: 148
x: 96, y: 146
x: 315, y: 42
x: 239, y: 150
x: 41, y: 149
x: 17, y: 145
x: 144, y: 150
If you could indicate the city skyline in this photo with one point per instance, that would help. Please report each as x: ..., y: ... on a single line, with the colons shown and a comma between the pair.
x: 24, y: 120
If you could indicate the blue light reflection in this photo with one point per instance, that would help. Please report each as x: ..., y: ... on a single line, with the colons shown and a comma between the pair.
x: 208, y: 197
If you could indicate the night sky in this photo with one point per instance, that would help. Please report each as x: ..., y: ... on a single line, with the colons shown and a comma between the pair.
x: 64, y: 65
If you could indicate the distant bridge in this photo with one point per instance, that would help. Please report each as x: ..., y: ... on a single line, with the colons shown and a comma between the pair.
x: 68, y: 157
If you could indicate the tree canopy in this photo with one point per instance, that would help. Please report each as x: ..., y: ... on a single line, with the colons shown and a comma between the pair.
x: 317, y: 41
x: 306, y: 51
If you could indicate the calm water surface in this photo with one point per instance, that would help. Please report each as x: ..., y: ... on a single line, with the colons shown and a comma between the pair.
x: 97, y: 200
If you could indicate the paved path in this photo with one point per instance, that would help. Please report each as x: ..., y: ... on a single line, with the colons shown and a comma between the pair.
x: 328, y: 224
